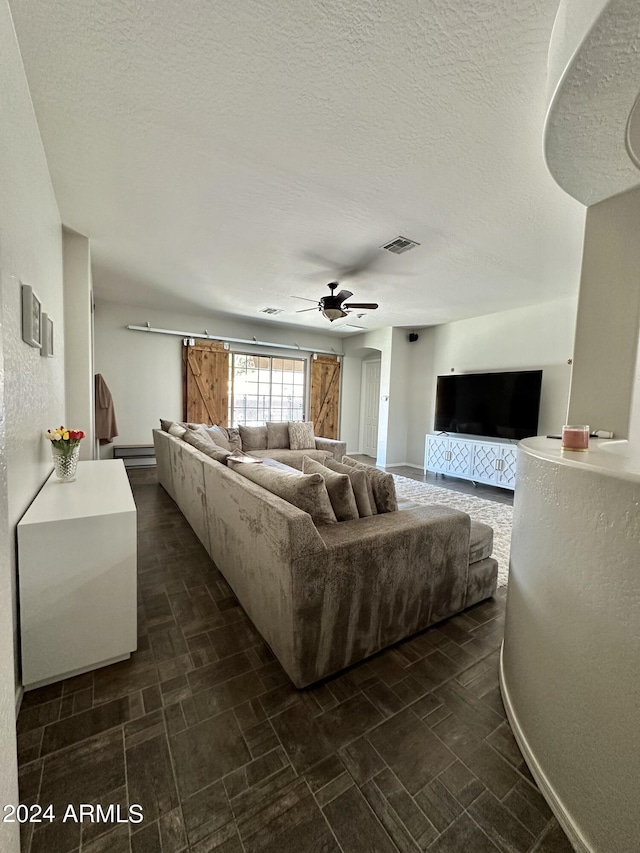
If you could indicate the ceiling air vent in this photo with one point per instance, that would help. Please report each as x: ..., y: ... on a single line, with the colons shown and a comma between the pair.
x: 271, y: 311
x: 400, y: 245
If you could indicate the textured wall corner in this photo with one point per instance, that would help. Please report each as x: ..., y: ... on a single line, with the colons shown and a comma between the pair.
x: 594, y: 68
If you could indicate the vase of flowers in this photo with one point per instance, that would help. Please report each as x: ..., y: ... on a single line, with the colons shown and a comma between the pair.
x: 65, y: 446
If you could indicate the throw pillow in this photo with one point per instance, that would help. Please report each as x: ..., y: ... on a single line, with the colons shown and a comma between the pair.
x: 201, y: 440
x: 338, y: 486
x: 277, y: 435
x: 253, y: 437
x: 360, y: 485
x: 233, y: 436
x: 177, y: 430
x: 164, y: 425
x: 368, y: 484
x: 301, y: 435
x: 219, y: 435
x: 306, y: 491
x: 384, y: 489
x: 218, y: 453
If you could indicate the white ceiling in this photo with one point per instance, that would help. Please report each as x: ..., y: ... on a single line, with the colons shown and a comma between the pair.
x: 211, y: 150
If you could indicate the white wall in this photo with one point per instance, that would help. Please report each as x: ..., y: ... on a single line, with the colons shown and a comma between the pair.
x: 540, y: 336
x: 399, y: 396
x: 144, y: 370
x: 421, y: 391
x: 608, y: 316
x: 571, y: 649
x: 32, y: 386
x: 357, y: 349
x: 78, y: 330
x: 351, y: 378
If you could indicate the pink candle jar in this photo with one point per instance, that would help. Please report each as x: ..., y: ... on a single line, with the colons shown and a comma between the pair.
x: 575, y: 437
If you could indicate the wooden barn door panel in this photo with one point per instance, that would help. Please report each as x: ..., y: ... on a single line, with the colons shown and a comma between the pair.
x: 325, y: 395
x: 205, y: 372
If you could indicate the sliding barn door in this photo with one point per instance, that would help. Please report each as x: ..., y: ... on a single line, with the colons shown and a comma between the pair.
x: 325, y: 395
x: 205, y: 373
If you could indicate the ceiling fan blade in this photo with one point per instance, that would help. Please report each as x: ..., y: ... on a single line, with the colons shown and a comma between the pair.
x: 344, y: 294
x: 302, y: 310
x: 367, y: 260
x: 306, y: 299
x: 370, y: 305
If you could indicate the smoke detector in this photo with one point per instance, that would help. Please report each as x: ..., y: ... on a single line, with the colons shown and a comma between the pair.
x: 400, y: 245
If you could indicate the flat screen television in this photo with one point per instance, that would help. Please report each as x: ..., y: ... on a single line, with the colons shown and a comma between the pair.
x: 497, y: 405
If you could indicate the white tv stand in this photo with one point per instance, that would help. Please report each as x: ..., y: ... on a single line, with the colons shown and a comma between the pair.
x: 483, y: 460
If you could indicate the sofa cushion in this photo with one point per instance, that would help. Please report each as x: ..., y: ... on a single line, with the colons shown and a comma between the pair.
x: 165, y: 425
x: 480, y: 541
x: 233, y: 437
x: 338, y: 486
x: 201, y: 440
x: 291, y: 457
x: 306, y: 491
x: 220, y: 436
x: 301, y: 435
x: 253, y: 437
x: 368, y: 484
x: 177, y: 430
x: 201, y: 433
x: 360, y: 485
x: 384, y: 488
x: 277, y: 435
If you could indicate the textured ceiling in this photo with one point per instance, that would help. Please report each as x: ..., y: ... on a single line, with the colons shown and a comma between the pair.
x: 213, y: 152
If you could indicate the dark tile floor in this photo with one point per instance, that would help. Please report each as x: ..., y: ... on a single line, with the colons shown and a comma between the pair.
x: 409, y: 751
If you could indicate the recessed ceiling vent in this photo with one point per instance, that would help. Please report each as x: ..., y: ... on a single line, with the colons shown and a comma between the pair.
x: 271, y: 311
x: 400, y: 245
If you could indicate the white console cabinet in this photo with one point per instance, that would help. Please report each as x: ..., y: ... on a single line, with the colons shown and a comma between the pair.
x: 77, y: 574
x: 485, y: 460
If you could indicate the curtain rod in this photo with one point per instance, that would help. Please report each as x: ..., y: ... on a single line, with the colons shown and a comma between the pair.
x: 250, y: 342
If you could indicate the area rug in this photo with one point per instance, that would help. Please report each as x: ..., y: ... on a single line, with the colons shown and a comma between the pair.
x: 498, y: 515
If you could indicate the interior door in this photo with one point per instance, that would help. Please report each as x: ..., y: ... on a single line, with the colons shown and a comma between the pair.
x: 325, y: 395
x: 205, y: 376
x: 370, y: 407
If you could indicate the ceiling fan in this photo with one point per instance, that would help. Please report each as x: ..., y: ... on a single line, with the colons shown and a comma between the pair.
x: 335, y: 306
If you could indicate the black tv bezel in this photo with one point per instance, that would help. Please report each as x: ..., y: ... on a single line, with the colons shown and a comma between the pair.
x: 485, y: 435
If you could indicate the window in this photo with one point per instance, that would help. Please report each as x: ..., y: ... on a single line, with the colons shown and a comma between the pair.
x: 265, y: 388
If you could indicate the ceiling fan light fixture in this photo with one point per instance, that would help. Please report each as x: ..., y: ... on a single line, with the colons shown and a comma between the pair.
x: 333, y: 313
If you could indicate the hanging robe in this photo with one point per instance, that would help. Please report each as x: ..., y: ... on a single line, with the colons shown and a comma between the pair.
x: 106, y: 427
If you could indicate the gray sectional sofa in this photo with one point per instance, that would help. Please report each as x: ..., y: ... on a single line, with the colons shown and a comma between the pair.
x: 327, y: 596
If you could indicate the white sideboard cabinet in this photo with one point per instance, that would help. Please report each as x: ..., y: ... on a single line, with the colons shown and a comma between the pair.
x: 77, y: 574
x: 483, y: 460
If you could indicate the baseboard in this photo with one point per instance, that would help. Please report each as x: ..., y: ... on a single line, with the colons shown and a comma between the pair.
x: 19, y: 695
x: 553, y: 800
x: 404, y: 465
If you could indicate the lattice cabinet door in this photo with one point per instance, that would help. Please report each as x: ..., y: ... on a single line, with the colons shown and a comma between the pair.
x: 436, y: 455
x: 459, y: 458
x: 484, y: 464
x: 506, y: 470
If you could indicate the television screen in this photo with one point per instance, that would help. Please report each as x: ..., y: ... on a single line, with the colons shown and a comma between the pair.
x: 498, y: 405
